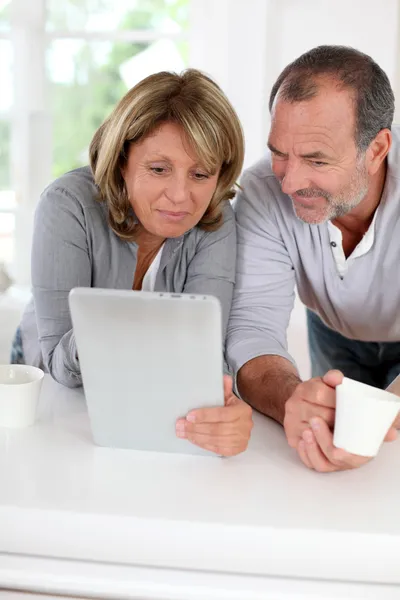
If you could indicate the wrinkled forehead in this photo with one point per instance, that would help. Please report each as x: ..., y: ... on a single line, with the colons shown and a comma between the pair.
x: 327, y: 119
x: 199, y: 145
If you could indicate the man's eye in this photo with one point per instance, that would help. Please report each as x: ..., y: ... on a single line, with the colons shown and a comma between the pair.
x: 318, y: 163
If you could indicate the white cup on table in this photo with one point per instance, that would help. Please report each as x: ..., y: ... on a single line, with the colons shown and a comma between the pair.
x: 364, y: 415
x: 19, y: 395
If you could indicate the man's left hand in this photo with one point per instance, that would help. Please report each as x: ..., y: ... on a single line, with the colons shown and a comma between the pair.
x: 317, y: 451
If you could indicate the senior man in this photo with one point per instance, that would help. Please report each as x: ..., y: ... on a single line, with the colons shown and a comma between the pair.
x: 322, y: 212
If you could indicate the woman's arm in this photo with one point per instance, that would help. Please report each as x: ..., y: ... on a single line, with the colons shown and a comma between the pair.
x: 60, y: 262
x: 212, y: 269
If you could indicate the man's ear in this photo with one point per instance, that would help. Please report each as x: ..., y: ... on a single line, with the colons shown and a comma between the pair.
x: 378, y: 150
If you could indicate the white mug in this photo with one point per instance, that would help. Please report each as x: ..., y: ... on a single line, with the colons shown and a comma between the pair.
x: 19, y: 394
x: 363, y: 417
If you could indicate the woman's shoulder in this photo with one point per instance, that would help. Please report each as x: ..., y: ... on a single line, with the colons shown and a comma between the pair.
x: 227, y: 227
x: 211, y: 255
x: 229, y: 215
x: 75, y: 187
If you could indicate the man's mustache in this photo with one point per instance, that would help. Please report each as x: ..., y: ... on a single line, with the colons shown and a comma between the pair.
x: 312, y: 193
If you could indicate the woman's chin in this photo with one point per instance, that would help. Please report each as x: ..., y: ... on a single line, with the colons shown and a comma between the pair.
x: 174, y: 232
x: 171, y: 229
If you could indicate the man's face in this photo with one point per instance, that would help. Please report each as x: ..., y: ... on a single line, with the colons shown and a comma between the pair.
x: 314, y: 154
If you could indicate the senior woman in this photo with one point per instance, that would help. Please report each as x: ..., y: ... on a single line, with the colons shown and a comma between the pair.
x: 151, y: 212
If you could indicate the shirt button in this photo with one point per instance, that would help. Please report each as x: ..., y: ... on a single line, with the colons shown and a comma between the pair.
x: 333, y: 244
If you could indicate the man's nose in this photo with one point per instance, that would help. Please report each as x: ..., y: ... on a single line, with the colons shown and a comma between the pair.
x: 293, y: 179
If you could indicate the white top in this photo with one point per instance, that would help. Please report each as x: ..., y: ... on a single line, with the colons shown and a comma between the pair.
x: 149, y: 280
x: 261, y: 515
x: 364, y: 246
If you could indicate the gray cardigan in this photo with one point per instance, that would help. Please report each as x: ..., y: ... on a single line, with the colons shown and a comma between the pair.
x: 73, y: 246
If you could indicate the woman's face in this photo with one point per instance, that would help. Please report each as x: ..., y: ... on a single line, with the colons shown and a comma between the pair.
x: 167, y: 187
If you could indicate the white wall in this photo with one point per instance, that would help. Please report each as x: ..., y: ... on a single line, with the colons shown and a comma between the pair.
x: 244, y: 44
x: 229, y: 41
x: 368, y: 25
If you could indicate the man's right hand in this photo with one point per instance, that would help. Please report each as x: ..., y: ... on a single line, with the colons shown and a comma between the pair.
x: 313, y: 398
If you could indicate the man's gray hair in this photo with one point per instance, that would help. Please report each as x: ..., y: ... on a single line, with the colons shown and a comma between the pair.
x: 373, y: 94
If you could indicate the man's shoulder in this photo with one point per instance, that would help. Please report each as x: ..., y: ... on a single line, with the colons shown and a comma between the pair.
x: 226, y: 231
x: 261, y: 170
x: 260, y: 187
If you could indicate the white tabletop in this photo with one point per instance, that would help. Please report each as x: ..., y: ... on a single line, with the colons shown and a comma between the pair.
x: 259, y: 514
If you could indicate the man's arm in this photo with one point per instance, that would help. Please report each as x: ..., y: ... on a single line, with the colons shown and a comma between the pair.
x: 263, y: 300
x: 394, y: 387
x: 266, y: 383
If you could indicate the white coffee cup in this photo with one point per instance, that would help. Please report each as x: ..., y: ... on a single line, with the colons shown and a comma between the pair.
x: 364, y: 415
x: 19, y: 394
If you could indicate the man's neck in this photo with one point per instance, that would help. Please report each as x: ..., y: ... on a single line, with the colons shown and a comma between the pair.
x: 359, y: 219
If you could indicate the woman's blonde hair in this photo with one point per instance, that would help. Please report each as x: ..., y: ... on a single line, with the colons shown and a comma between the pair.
x: 194, y: 102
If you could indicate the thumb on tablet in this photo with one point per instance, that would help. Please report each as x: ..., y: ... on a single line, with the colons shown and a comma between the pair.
x: 228, y: 390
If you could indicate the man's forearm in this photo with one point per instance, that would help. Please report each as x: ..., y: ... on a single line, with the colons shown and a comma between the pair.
x: 266, y: 382
x: 394, y: 387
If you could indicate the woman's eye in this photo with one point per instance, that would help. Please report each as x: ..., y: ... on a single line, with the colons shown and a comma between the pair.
x: 158, y: 170
x: 201, y: 176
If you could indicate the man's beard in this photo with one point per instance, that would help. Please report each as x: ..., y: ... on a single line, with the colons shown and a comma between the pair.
x: 336, y: 205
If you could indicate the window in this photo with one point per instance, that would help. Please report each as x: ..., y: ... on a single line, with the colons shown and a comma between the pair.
x: 73, y: 60
x: 7, y: 197
x: 4, y: 16
x: 99, y: 49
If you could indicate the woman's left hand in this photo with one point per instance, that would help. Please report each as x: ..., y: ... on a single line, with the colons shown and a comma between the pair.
x: 224, y: 430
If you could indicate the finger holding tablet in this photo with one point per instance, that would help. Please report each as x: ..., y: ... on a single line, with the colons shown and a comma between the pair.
x: 223, y: 430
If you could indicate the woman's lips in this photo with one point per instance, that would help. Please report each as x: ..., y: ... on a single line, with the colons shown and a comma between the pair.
x: 170, y: 215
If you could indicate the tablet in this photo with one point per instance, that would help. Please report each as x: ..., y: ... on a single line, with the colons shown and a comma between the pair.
x: 147, y: 358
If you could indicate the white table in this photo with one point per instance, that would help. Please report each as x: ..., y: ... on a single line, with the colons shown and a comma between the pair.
x: 86, y: 521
